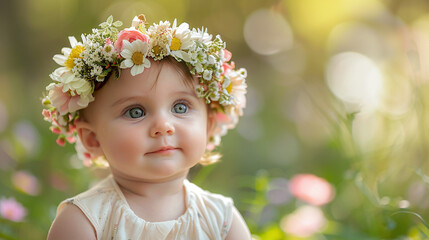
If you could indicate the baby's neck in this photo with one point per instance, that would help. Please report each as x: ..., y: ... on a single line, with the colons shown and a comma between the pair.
x: 150, y: 189
x: 154, y: 201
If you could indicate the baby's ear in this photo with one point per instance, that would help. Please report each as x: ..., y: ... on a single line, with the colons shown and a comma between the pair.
x: 88, y: 138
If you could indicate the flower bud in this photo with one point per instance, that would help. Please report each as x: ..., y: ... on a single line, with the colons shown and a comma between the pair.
x: 46, y: 101
x: 55, y: 130
x: 61, y: 141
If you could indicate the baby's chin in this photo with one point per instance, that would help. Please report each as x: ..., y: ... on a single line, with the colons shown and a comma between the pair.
x: 167, y: 169
x: 161, y: 170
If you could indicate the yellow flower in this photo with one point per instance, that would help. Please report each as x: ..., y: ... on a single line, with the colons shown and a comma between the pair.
x: 175, y: 44
x: 181, y: 37
x: 75, y: 53
x: 66, y: 59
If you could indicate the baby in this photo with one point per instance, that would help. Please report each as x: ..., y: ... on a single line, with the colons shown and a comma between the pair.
x: 150, y: 104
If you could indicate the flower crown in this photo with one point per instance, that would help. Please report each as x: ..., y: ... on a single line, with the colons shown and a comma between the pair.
x: 107, y: 50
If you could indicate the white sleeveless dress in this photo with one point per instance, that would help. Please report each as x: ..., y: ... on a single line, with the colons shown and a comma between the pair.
x: 208, y: 215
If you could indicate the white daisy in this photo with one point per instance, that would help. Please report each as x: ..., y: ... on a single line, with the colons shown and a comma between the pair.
x: 235, y: 85
x: 181, y: 41
x: 181, y: 37
x: 70, y: 54
x: 201, y: 35
x: 135, y: 56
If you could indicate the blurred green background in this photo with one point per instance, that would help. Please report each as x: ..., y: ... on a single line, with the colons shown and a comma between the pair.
x: 334, y: 140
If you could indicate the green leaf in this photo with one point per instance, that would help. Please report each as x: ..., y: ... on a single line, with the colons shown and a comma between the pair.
x: 104, y: 25
x: 117, y: 24
x: 118, y: 73
x: 110, y: 20
x: 105, y: 72
x: 424, y: 177
x: 422, y: 221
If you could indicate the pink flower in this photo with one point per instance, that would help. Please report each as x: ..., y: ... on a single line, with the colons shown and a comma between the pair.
x: 236, y: 86
x: 46, y: 114
x: 64, y: 102
x: 55, y: 130
x: 227, y: 55
x: 108, y: 41
x: 72, y: 127
x: 226, y: 66
x: 304, y: 222
x: 210, y: 146
x: 71, y: 139
x: 311, y: 189
x: 12, y: 210
x: 131, y: 35
x: 61, y: 141
x: 87, y: 162
x: 222, y: 118
x: 26, y: 182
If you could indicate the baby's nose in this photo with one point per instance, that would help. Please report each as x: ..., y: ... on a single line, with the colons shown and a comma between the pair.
x: 162, y: 127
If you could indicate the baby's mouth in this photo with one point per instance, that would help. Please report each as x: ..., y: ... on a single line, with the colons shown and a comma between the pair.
x: 164, y: 150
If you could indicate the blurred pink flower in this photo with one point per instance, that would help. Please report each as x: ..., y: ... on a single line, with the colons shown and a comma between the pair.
x: 311, y: 189
x: 222, y: 117
x: 26, y: 182
x: 61, y: 141
x: 304, y: 222
x: 46, y: 114
x: 12, y: 210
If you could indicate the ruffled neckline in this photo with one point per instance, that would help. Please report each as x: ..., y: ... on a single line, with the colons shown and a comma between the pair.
x: 185, y: 215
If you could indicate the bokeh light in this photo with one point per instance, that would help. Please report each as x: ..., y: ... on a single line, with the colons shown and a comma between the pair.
x: 12, y: 210
x: 26, y: 182
x: 27, y: 136
x: 267, y: 32
x: 355, y: 79
x: 304, y: 222
x: 311, y: 189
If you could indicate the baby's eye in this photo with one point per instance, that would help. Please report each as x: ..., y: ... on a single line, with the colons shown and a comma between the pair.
x: 135, y: 112
x: 180, y: 108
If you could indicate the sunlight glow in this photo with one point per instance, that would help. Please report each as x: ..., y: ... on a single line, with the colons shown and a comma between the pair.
x: 354, y: 78
x: 267, y: 32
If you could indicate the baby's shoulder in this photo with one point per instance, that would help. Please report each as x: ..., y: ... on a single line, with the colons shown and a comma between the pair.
x: 103, y: 188
x: 213, y: 204
x: 92, y: 200
x: 212, y: 208
x: 86, y: 208
x: 71, y: 223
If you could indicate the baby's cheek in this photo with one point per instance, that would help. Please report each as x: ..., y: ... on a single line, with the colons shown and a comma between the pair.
x: 123, y: 144
x: 196, y: 139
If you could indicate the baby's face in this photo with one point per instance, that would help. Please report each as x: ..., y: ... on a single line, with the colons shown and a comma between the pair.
x: 152, y: 126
